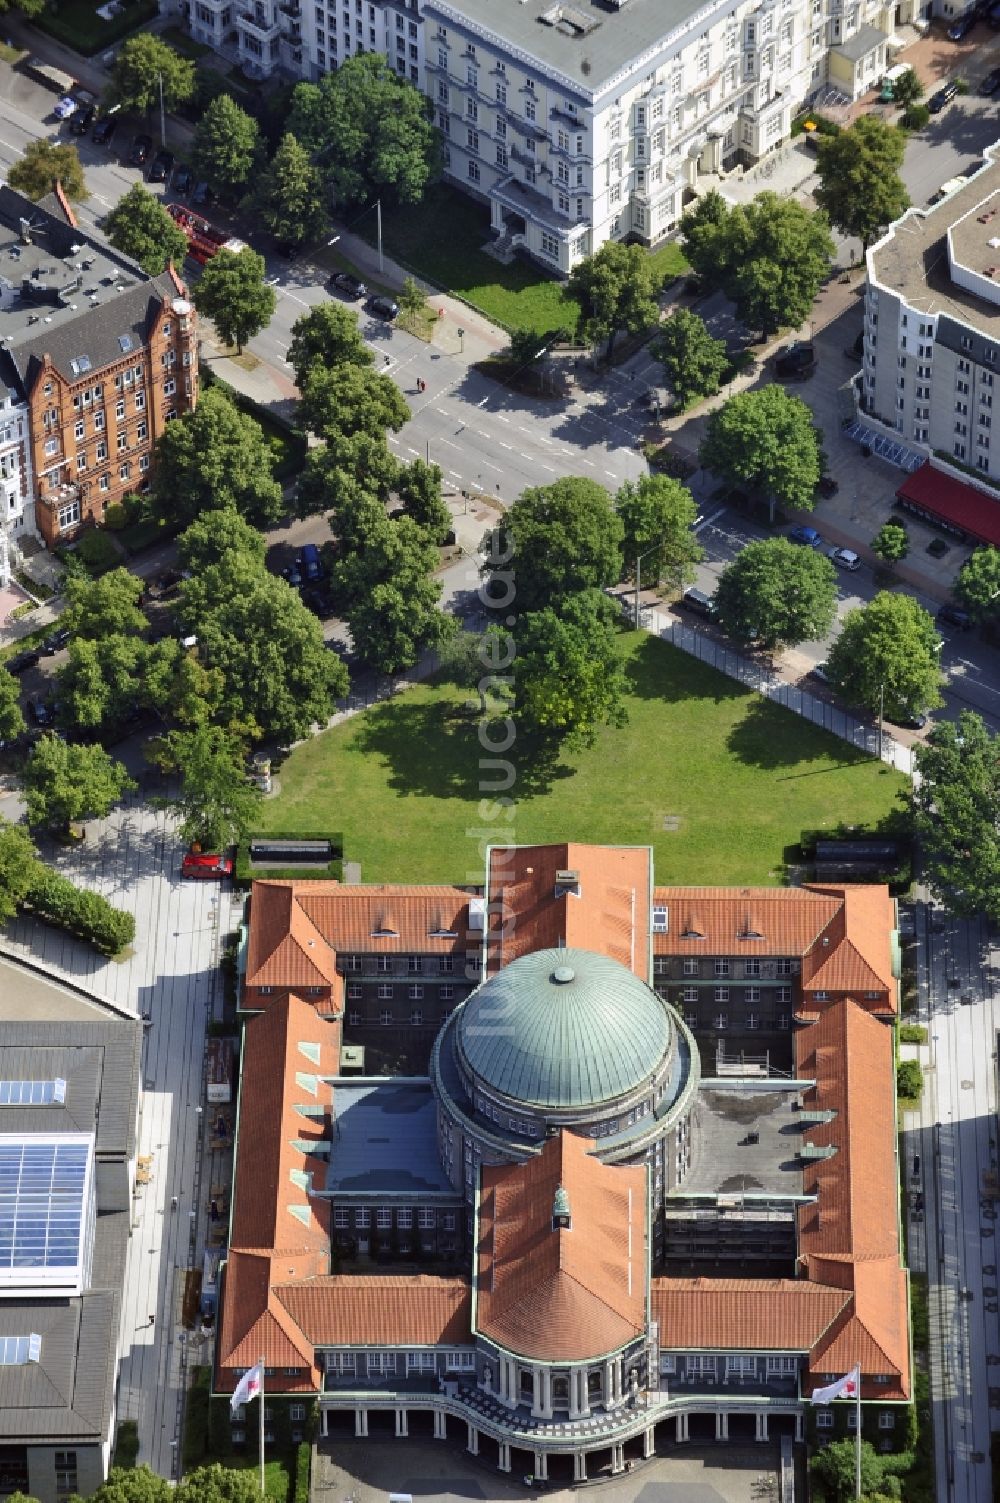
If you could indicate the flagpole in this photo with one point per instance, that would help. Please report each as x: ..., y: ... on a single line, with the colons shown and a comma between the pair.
x: 260, y: 1398
x: 857, y: 1433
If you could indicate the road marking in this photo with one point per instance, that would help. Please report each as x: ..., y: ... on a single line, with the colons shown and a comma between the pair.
x: 487, y: 466
x: 551, y: 468
x: 588, y: 461
x: 449, y: 443
x: 502, y: 418
x: 502, y: 445
x: 707, y: 521
x: 611, y: 473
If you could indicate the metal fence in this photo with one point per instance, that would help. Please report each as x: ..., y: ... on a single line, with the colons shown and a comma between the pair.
x: 760, y: 675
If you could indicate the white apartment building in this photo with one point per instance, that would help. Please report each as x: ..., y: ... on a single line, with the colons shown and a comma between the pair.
x: 931, y: 370
x: 581, y: 121
x: 17, y: 509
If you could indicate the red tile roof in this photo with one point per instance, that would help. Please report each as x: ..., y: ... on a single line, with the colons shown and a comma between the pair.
x: 562, y: 1294
x: 380, y: 1309
x: 285, y: 948
x: 782, y: 1315
x: 854, y: 955
x: 254, y: 1325
x: 611, y: 915
x: 850, y: 1237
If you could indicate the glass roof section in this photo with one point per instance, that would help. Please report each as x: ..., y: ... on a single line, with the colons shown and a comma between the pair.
x: 16, y: 1350
x: 46, y: 1208
x: 32, y: 1092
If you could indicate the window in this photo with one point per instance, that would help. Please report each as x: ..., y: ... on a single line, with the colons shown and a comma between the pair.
x: 460, y: 1361
x: 474, y: 173
x: 51, y: 447
x: 169, y: 387
x: 721, y: 994
x: 68, y: 516
x: 415, y: 993
x: 142, y: 433
x: 341, y: 1217
x: 446, y: 993
x: 550, y: 246
x: 753, y: 1021
x: 690, y: 967
x: 362, y: 1218
x: 416, y: 1017
x: 385, y: 991
x: 296, y: 1411
x: 384, y: 1362
x: 722, y: 967
x: 886, y: 1419
x: 689, y: 994
x: 383, y: 1218
x: 426, y: 1219
x: 472, y: 137
x: 355, y: 991
x: 124, y: 471
x: 824, y: 1419
x: 343, y: 1362
x: 721, y: 1020
x: 98, y: 422
x: 66, y: 1474
x: 120, y: 410
x: 740, y: 1364
x: 751, y: 994
x: 385, y: 1017
x: 781, y: 1367
x: 79, y: 431
x: 659, y: 918
x: 420, y: 1362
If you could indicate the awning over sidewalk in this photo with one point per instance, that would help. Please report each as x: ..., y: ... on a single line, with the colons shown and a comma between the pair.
x: 952, y: 504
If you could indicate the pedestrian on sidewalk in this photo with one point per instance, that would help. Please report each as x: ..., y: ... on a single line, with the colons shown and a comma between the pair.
x: 152, y: 1320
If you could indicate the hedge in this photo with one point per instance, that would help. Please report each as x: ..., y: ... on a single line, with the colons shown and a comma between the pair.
x: 912, y: 1033
x: 303, y: 1461
x: 909, y: 1079
x: 127, y: 1444
x: 245, y: 871
x: 196, y: 1418
x: 86, y: 914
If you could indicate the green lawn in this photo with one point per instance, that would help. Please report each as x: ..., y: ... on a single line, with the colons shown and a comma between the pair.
x: 742, y: 777
x: 77, y: 23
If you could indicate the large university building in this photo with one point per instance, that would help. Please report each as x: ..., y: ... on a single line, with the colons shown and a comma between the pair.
x: 647, y: 1180
x: 586, y: 121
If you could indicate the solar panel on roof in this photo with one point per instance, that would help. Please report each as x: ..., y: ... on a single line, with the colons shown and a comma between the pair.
x: 41, y: 1203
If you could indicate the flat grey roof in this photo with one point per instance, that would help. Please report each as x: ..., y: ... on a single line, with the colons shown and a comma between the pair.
x: 723, y: 1162
x: 586, y: 41
x: 385, y: 1139
x: 913, y: 259
x: 864, y: 40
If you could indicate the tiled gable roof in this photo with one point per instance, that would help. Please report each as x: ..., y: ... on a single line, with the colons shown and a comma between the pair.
x: 782, y: 1315
x: 611, y: 915
x: 380, y: 1310
x: 253, y: 1323
x: 747, y: 921
x: 555, y: 1293
x: 286, y: 949
x: 388, y: 918
x: 857, y: 957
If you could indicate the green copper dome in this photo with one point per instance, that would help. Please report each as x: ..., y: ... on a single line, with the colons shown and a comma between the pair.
x: 564, y: 1028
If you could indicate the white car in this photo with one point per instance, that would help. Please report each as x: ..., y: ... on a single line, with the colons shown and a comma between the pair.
x: 844, y: 558
x: 65, y: 107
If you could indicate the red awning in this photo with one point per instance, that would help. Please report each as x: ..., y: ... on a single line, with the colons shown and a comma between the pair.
x: 956, y: 504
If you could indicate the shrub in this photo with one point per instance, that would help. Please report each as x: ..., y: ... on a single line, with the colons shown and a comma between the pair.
x: 83, y: 913
x: 912, y: 1033
x: 97, y: 551
x: 909, y: 1079
x: 115, y: 517
x: 127, y: 1444
x: 303, y: 1461
x: 916, y: 117
x: 197, y: 1417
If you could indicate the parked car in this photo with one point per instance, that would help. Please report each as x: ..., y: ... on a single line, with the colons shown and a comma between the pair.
x: 959, y: 30
x: 798, y: 359
x: 382, y: 307
x: 293, y: 575
x: 64, y: 107
x: 844, y: 558
x: 42, y: 711
x: 953, y: 615
x: 819, y: 673
x: 202, y: 196
x: 827, y: 486
x: 697, y: 601
x: 991, y: 82
x: 350, y: 286
x: 318, y: 601
x: 103, y: 131
x: 910, y: 720
x: 56, y: 642
x: 22, y: 661
x: 183, y: 179
x: 806, y: 537
x: 139, y: 154
x: 310, y: 562
x: 201, y: 866
x: 161, y: 167
x: 83, y: 120
x: 944, y: 96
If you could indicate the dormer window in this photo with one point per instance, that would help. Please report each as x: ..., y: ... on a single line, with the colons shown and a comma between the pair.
x: 562, y: 1219
x: 659, y: 918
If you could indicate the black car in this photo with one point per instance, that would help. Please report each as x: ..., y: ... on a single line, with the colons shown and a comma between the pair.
x: 959, y: 30
x: 953, y: 615
x: 202, y: 195
x: 796, y: 359
x: 103, y: 131
x: 382, y: 307
x: 42, y: 711
x: 81, y: 122
x: 22, y: 661
x: 56, y: 642
x: 343, y: 281
x: 161, y: 167
x: 991, y: 82
x: 943, y: 97
x: 292, y: 575
x: 139, y: 154
x: 827, y: 486
x: 183, y: 179
x: 910, y: 720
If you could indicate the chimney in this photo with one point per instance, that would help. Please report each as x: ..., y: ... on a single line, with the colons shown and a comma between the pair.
x: 567, y: 882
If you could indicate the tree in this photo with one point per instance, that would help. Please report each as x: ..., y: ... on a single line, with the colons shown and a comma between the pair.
x: 218, y: 535
x: 371, y: 129
x: 143, y: 65
x: 770, y: 255
x: 11, y: 719
x: 555, y: 540
x: 767, y: 440
x: 226, y: 146
x: 64, y: 782
x: 694, y: 363
x: 350, y: 399
x: 616, y: 289
x: 133, y: 1485
x: 860, y: 188
x: 233, y: 293
x: 217, y: 803
x: 18, y: 868
x: 775, y: 593
x: 213, y: 458
x: 102, y: 681
x: 835, y: 1464
x: 419, y: 489
x: 889, y: 646
x: 289, y: 195
x: 658, y: 514
x: 391, y: 550
x: 140, y: 227
x: 104, y: 607
x: 955, y: 809
x: 345, y: 464
x: 180, y: 688
x: 892, y: 542
x: 218, y: 1484
x: 978, y: 585
x: 268, y: 647
x: 325, y: 337
x: 396, y: 621
x: 569, y: 676
x: 907, y: 89
x: 411, y: 299
x: 45, y: 163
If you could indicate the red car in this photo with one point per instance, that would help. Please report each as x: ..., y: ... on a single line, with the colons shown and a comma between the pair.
x: 206, y: 868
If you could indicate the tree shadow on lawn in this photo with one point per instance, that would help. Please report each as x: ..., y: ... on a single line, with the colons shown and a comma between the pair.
x: 435, y: 751
x: 769, y: 736
x: 656, y: 670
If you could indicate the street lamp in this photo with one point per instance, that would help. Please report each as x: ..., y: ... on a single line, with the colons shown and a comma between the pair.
x: 638, y: 576
x: 163, y: 118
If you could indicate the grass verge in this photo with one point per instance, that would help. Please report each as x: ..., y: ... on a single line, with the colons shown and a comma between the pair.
x: 77, y: 23
x: 403, y: 781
